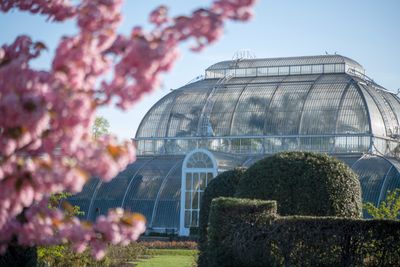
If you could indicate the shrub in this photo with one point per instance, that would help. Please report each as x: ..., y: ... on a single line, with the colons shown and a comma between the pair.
x: 387, y: 209
x: 224, y: 185
x: 230, y: 220
x: 249, y: 233
x: 304, y: 183
x: 63, y: 255
x: 333, y: 241
x: 169, y: 244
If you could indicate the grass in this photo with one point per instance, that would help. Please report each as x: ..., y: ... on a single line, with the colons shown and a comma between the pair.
x: 169, y: 258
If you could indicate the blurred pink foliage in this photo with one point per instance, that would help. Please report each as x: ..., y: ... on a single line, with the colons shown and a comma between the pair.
x: 46, y: 145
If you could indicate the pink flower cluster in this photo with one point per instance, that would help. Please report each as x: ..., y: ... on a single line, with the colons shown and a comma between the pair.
x: 117, y: 228
x: 58, y: 10
x: 46, y: 144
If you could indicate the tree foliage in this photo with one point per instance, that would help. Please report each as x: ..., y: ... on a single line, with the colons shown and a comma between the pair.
x: 387, y: 209
x: 101, y: 127
x: 46, y: 145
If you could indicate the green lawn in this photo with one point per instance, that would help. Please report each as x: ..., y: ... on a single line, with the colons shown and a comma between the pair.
x: 169, y: 258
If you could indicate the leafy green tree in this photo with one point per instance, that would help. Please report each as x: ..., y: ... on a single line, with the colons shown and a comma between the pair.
x: 100, y: 127
x: 59, y: 200
x: 388, y: 209
x: 56, y: 255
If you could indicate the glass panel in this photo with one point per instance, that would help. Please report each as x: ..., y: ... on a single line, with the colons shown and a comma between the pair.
x: 262, y: 71
x: 186, y: 111
x: 329, y: 68
x: 317, y: 69
x: 249, y: 115
x: 187, y: 218
x: 195, y: 181
x: 395, y: 106
x: 154, y: 124
x: 273, y: 71
x: 202, y: 181
x: 284, y: 112
x: 352, y: 117
x: 388, y: 116
x: 294, y: 70
x: 306, y: 69
x: 372, y: 171
x: 283, y: 70
x: 195, y: 216
x: 339, y: 67
x: 195, y: 202
x: 223, y: 109
x: 320, y: 109
x: 251, y: 72
x: 83, y: 198
x: 240, y: 72
x: 168, y: 208
x: 188, y: 181
x: 188, y: 200
x: 377, y: 124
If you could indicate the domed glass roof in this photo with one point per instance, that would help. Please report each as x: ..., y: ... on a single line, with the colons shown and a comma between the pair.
x: 331, y: 101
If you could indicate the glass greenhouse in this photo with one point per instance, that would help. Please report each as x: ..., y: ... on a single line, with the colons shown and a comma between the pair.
x: 241, y: 111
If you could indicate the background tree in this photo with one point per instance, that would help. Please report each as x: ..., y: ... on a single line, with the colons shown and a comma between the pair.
x: 46, y: 145
x: 100, y: 127
x: 387, y: 209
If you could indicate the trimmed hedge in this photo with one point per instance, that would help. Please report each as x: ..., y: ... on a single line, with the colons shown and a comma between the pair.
x: 249, y: 233
x: 223, y: 185
x: 230, y: 220
x: 304, y: 183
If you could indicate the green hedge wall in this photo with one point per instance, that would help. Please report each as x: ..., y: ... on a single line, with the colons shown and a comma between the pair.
x: 249, y: 233
x: 230, y: 221
x: 304, y: 183
x: 223, y: 185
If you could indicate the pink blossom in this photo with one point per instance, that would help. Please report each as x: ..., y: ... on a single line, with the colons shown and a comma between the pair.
x: 46, y: 146
x: 56, y: 9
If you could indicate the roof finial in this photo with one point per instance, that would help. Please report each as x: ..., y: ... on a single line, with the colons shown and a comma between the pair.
x: 243, y: 54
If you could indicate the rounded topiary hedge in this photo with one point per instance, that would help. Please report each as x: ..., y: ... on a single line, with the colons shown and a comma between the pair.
x: 223, y: 185
x: 304, y: 183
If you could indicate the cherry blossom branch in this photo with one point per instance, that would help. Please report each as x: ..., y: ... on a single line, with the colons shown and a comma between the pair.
x: 46, y: 145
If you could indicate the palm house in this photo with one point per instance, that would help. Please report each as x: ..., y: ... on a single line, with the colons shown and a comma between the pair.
x: 241, y: 111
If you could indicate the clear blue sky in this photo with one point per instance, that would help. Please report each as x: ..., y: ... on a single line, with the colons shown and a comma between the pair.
x: 364, y: 30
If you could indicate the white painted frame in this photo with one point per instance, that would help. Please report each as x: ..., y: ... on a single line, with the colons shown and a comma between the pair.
x: 183, y: 231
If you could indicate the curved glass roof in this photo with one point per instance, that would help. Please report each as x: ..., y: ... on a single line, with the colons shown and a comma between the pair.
x: 311, y: 104
x: 152, y: 185
x: 378, y: 175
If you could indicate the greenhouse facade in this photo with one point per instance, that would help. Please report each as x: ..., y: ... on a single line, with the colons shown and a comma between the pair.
x: 241, y: 111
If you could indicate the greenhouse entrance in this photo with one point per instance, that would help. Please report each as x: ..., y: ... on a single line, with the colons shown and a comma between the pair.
x: 198, y: 168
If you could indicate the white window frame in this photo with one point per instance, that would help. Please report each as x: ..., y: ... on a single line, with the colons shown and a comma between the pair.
x: 185, y: 231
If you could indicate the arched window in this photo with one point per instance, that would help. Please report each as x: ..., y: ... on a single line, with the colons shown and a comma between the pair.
x: 198, y: 168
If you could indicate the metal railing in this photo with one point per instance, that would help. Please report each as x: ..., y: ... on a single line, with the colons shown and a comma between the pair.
x: 345, y: 143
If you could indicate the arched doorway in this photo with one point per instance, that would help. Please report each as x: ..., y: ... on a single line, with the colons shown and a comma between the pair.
x: 198, y: 168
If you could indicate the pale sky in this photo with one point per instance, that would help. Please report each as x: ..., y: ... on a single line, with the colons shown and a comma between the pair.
x: 364, y: 30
